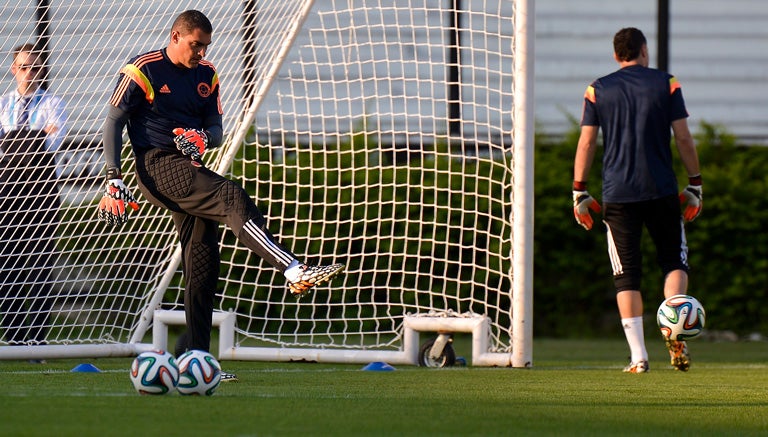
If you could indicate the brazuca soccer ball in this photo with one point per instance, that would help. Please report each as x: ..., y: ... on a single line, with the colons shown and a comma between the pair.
x: 199, y: 373
x: 154, y: 373
x: 680, y: 317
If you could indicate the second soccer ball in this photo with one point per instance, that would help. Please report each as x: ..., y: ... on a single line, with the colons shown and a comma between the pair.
x: 199, y: 373
x: 154, y: 373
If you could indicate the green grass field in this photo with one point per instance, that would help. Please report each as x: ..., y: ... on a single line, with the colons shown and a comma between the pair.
x: 574, y: 388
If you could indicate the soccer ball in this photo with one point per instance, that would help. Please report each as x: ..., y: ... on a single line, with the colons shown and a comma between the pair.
x: 154, y: 373
x: 199, y: 373
x: 680, y: 317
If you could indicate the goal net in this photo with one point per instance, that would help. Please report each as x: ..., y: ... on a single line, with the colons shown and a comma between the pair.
x: 391, y: 136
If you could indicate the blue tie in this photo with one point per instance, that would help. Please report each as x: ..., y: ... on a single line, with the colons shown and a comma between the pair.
x: 23, y: 120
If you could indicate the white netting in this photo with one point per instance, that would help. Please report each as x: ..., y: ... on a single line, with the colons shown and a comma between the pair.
x: 359, y: 151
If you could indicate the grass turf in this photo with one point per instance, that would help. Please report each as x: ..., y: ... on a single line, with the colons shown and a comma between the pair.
x: 574, y: 388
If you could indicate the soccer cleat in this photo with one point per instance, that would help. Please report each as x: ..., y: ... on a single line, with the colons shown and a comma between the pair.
x: 638, y: 367
x: 311, y: 276
x: 229, y: 377
x: 678, y: 353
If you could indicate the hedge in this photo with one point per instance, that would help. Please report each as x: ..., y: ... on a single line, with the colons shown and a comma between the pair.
x: 728, y: 252
x: 573, y: 289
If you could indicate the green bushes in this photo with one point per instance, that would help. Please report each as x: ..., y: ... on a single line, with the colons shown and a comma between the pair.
x: 728, y: 249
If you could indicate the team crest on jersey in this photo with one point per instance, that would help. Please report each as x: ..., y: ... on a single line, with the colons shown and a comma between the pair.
x: 204, y: 89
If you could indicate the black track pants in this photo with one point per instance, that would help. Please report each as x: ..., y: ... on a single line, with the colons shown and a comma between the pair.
x: 199, y: 199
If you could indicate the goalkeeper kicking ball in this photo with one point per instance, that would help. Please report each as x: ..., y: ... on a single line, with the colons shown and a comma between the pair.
x: 199, y: 373
x: 681, y: 317
x: 154, y: 373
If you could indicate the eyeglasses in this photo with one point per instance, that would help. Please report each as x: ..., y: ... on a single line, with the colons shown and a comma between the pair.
x: 33, y: 67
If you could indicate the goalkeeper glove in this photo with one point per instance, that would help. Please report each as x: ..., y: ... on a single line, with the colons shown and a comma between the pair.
x: 692, y: 196
x: 116, y: 195
x: 191, y: 142
x: 582, y: 203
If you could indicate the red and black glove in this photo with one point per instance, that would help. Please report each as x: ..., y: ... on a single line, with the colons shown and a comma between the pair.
x: 116, y: 196
x: 692, y: 196
x: 191, y: 142
x: 582, y: 203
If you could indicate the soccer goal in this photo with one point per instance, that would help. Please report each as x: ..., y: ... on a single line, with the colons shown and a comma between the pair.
x: 395, y: 137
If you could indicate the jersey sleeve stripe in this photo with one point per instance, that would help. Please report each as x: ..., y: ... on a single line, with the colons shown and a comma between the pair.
x: 120, y: 89
x: 589, y: 94
x: 674, y: 85
x: 141, y: 80
x: 131, y: 73
x: 214, y: 82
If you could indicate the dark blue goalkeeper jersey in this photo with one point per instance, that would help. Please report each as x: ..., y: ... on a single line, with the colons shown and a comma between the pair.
x: 161, y: 96
x: 634, y: 107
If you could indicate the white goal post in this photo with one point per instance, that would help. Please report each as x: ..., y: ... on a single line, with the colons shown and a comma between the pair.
x: 393, y: 136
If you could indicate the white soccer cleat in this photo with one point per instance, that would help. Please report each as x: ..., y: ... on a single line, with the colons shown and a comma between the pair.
x: 228, y: 377
x: 678, y: 354
x: 638, y: 367
x: 310, y: 276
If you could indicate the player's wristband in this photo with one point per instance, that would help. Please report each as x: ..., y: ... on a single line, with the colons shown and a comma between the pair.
x: 114, y: 173
x: 579, y: 186
x: 694, y: 180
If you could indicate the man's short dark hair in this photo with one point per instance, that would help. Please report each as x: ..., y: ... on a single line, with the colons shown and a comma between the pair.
x: 627, y: 43
x: 190, y: 20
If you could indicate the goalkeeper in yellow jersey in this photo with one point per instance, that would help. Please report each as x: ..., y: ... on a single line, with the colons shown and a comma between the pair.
x: 169, y: 101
